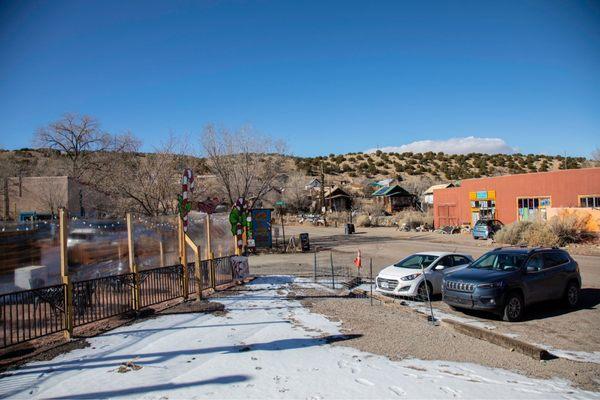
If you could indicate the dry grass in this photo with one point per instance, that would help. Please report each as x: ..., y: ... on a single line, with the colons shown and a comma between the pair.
x: 559, y: 231
x: 363, y: 220
x: 414, y: 219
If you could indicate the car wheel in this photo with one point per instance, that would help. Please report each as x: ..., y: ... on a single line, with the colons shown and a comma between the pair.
x: 513, y: 308
x: 572, y: 294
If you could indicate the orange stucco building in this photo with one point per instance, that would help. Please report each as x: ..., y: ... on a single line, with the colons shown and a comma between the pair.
x: 509, y: 198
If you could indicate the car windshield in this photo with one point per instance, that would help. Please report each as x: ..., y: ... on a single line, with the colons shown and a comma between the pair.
x: 500, y: 261
x: 416, y: 261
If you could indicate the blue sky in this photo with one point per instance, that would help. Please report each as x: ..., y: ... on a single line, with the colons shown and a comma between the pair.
x: 327, y: 77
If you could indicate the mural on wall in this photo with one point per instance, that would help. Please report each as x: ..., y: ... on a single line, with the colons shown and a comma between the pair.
x: 261, y: 227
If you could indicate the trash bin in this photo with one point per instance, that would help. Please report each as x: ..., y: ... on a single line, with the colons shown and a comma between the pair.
x: 349, y: 229
x: 304, y: 242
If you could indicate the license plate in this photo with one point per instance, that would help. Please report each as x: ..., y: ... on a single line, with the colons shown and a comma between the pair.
x: 458, y: 300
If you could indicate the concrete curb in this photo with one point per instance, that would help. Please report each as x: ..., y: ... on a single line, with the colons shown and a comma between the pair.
x: 512, y: 344
x: 498, y: 339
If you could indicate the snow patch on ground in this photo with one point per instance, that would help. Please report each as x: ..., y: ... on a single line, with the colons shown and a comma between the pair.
x: 266, y: 346
x: 581, y: 356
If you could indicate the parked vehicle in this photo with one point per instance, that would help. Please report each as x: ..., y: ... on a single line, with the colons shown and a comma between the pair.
x: 486, y: 228
x: 506, y: 280
x: 405, y: 278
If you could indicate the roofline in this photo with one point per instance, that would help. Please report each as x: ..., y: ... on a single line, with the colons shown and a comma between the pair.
x: 572, y: 170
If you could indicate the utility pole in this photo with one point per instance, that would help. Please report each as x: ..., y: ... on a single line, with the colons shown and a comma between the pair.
x: 323, y: 207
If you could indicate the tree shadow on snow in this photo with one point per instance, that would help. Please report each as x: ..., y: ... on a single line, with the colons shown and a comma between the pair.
x: 113, y: 361
x: 140, y: 390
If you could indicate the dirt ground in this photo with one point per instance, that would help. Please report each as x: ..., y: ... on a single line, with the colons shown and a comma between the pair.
x: 548, y: 324
x: 401, y: 334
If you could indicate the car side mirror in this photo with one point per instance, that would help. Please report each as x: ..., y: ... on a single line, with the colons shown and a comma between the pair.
x: 532, y: 269
x: 440, y: 267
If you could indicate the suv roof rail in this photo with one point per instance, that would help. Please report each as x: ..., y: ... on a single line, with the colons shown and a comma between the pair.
x: 498, y: 248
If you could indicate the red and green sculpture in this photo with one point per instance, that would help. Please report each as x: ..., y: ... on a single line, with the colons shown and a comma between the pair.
x: 240, y: 220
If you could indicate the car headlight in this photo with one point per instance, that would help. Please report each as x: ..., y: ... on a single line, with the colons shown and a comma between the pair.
x: 492, y: 285
x: 410, y: 277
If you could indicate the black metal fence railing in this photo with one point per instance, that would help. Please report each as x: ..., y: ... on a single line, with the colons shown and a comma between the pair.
x: 205, y: 271
x: 223, y: 270
x: 31, y: 314
x: 160, y: 284
x: 97, y: 299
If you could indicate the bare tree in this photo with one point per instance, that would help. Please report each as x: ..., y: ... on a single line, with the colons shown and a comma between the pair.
x: 149, y: 183
x: 596, y: 156
x: 245, y: 163
x: 83, y: 142
x: 53, y: 196
x: 294, y: 192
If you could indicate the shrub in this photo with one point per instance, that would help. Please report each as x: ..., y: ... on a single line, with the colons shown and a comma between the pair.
x: 540, y: 234
x: 559, y: 231
x: 569, y: 228
x: 414, y: 219
x: 512, y: 233
x: 363, y: 220
x: 529, y: 233
x: 374, y: 209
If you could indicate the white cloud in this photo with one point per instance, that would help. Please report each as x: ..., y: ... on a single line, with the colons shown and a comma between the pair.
x: 464, y: 145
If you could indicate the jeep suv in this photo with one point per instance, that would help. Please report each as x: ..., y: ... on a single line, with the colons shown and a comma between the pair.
x: 506, y: 280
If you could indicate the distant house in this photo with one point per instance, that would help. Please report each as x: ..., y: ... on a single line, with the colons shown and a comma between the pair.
x: 313, y: 184
x: 336, y: 199
x: 428, y: 194
x: 394, y: 198
x: 384, y: 183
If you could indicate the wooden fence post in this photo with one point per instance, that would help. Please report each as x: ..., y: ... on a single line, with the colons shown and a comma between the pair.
x: 213, y: 280
x: 208, y: 237
x: 183, y: 258
x: 133, y: 268
x: 197, y: 263
x: 161, y: 250
x: 64, y: 272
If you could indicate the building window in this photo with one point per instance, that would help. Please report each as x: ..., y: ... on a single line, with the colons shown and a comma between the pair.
x: 589, y: 201
x: 531, y: 208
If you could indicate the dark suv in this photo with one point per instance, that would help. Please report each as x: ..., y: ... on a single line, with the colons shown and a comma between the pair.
x: 506, y: 280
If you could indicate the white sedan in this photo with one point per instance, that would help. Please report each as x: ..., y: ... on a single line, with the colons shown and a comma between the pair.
x: 405, y: 278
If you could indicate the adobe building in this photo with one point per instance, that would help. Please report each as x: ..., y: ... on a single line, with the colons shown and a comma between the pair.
x: 39, y: 197
x: 511, y: 198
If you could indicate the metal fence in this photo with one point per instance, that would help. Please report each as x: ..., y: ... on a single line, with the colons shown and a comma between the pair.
x: 223, y: 270
x: 97, y: 299
x: 31, y: 314
x: 160, y: 284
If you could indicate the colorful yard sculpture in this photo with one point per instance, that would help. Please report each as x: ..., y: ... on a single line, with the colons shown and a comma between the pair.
x: 239, y: 218
x: 184, y: 204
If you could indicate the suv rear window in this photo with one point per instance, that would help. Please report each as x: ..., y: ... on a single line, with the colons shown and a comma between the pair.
x: 555, y: 258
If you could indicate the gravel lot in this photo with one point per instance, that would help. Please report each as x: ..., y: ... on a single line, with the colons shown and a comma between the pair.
x: 399, y: 334
x: 546, y: 324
